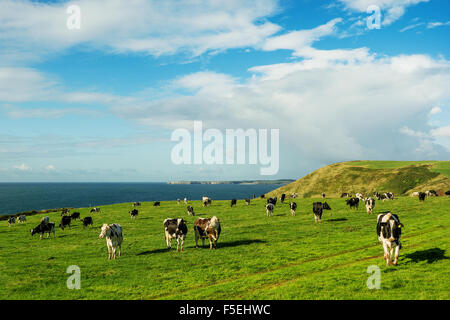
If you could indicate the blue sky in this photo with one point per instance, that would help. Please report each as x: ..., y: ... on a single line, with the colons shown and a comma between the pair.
x: 100, y: 103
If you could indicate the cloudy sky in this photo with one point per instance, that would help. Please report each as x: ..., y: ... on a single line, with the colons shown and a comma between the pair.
x: 101, y: 102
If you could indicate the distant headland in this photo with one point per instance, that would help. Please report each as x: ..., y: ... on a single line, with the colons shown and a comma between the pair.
x: 280, y: 181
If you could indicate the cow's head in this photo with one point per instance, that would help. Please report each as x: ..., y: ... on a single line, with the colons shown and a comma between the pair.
x: 390, y: 227
x: 104, y: 231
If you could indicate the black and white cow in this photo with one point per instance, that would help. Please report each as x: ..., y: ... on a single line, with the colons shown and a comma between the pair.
x: 157, y: 204
x: 22, y: 218
x: 87, y: 221
x: 326, y: 206
x: 65, y: 222
x: 75, y: 215
x: 206, y: 201
x: 42, y: 228
x: 45, y: 220
x: 190, y: 211
x: 370, y: 204
x: 293, y: 207
x: 389, y: 195
x: 317, y: 210
x: 269, y: 209
x: 207, y: 228
x: 64, y: 211
x: 175, y: 229
x: 422, y: 196
x: 114, y: 238
x: 133, y: 213
x: 11, y: 220
x: 95, y: 210
x: 323, y: 195
x: 272, y: 201
x: 283, y: 196
x: 136, y: 204
x: 353, y: 203
x: 360, y: 196
x: 447, y: 193
x: 247, y: 201
x: 389, y: 230
x: 233, y: 202
x: 262, y: 196
x: 431, y: 193
x: 345, y: 195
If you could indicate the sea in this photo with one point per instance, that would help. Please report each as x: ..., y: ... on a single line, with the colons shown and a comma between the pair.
x: 21, y: 197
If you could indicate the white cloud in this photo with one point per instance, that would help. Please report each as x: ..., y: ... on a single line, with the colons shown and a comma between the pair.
x: 50, y: 167
x: 30, y: 29
x: 432, y: 25
x: 22, y: 167
x: 435, y: 110
x: 442, y: 132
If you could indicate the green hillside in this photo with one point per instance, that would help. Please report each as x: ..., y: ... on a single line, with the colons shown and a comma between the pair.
x: 399, y: 177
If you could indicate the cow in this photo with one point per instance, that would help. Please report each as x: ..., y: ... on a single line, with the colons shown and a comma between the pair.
x: 206, y: 201
x: 353, y: 203
x: 133, y: 213
x: 11, y: 220
x: 447, y: 193
x: 294, y: 195
x: 190, y: 211
x: 114, y: 238
x: 175, y: 229
x: 269, y: 209
x: 415, y: 194
x: 262, y: 196
x: 185, y: 200
x: 233, y: 202
x: 64, y: 211
x: 44, y: 228
x: 65, y: 221
x: 45, y: 220
x: 431, y: 193
x: 323, y: 195
x: 247, y: 201
x: 136, y: 204
x: 87, y: 221
x: 207, y: 228
x: 346, y: 195
x: 370, y: 204
x: 317, y: 210
x: 95, y: 210
x: 272, y: 201
x: 359, y: 196
x: 22, y: 218
x: 75, y: 215
x: 178, y: 201
x: 283, y: 196
x: 389, y: 230
x: 422, y: 196
x: 326, y: 206
x: 157, y: 204
x: 293, y: 207
x: 389, y: 195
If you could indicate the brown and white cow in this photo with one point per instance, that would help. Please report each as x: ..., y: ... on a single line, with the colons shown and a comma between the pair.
x: 207, y: 228
x: 114, y: 238
x: 389, y: 230
x: 175, y: 229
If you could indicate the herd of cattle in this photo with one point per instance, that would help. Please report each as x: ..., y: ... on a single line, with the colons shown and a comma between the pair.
x: 388, y: 224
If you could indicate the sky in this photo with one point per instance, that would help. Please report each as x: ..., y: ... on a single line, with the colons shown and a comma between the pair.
x: 101, y: 102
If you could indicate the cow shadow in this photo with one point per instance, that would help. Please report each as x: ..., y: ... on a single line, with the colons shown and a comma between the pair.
x: 154, y: 251
x: 429, y: 255
x: 336, y: 220
x: 237, y: 243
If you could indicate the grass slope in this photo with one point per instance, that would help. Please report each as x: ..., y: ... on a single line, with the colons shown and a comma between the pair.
x: 281, y: 257
x: 400, y: 177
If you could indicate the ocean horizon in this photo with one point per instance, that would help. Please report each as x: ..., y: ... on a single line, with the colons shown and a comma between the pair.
x: 16, y: 197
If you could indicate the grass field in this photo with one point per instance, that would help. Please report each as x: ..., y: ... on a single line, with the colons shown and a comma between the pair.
x: 281, y: 257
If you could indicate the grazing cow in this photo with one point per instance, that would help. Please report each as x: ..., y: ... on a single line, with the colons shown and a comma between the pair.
x: 44, y: 228
x: 207, y: 228
x: 178, y: 201
x: 185, y: 200
x: 247, y: 201
x: 64, y: 211
x: 323, y: 195
x: 370, y: 204
x: 415, y: 194
x: 262, y: 196
x: 294, y: 195
x: 293, y: 207
x: 431, y: 193
x: 447, y: 193
x: 359, y: 196
x: 269, y: 209
x: 283, y: 196
x: 346, y: 195
x: 206, y: 201
x: 317, y: 209
x: 175, y: 229
x: 389, y: 230
x: 422, y: 196
x: 87, y: 221
x: 95, y: 210
x: 22, y: 218
x: 157, y: 204
x: 190, y: 211
x: 136, y: 204
x: 65, y: 221
x: 353, y: 203
x: 75, y: 215
x: 114, y: 238
x: 389, y: 195
x: 133, y: 213
x: 272, y: 201
x: 326, y: 206
x: 233, y: 202
x: 45, y: 220
x: 11, y: 220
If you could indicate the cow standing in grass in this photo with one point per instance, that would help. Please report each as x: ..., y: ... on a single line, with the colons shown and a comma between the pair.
x: 11, y: 221
x: 114, y: 238
x: 65, y: 221
x: 269, y: 209
x: 190, y: 211
x: 247, y: 201
x: 22, y: 218
x: 134, y: 213
x: 389, y: 230
x: 207, y: 228
x: 42, y: 228
x: 87, y: 221
x: 175, y: 229
x: 353, y: 203
x: 293, y: 207
x: 233, y: 202
x: 370, y: 204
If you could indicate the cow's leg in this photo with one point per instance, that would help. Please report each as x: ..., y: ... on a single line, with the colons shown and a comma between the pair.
x: 109, y: 252
x: 391, y: 254
x: 386, y: 253
x: 114, y: 248
x: 210, y: 243
x: 196, y: 239
x: 119, y: 247
x: 182, y: 242
x: 397, y: 251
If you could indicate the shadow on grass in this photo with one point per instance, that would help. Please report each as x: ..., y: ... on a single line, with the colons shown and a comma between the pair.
x: 336, y: 220
x: 429, y: 255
